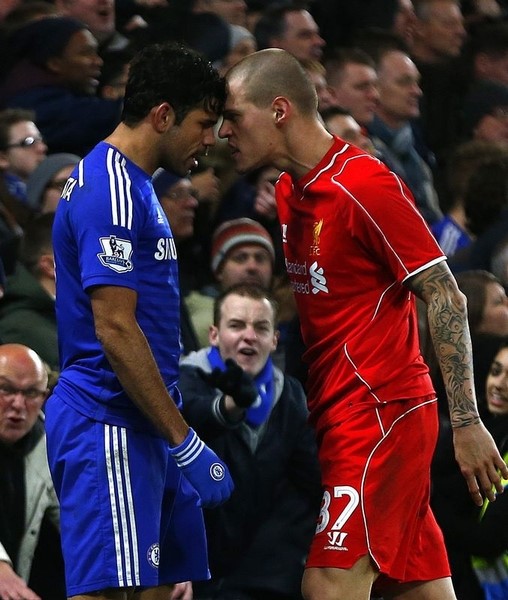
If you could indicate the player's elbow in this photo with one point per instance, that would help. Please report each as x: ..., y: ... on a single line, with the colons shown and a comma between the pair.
x: 111, y: 330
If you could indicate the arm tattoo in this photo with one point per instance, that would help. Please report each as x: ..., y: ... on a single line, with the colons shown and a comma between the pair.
x: 449, y: 331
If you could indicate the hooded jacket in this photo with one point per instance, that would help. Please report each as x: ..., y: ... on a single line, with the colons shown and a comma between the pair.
x: 27, y: 316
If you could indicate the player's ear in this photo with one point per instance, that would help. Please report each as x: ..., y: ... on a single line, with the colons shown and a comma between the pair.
x: 163, y: 117
x: 282, y: 108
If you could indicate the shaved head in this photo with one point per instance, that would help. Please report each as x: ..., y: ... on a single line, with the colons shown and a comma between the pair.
x: 17, y: 356
x: 269, y: 73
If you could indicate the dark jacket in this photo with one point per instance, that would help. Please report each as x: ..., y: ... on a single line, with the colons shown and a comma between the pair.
x: 27, y: 316
x: 69, y: 122
x: 465, y: 535
x: 259, y: 538
x: 398, y: 151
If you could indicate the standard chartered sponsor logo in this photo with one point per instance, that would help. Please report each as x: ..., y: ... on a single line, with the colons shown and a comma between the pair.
x: 317, y: 279
x: 295, y: 268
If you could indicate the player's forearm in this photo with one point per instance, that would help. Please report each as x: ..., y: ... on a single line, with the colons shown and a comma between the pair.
x: 449, y: 331
x: 450, y: 336
x: 130, y: 356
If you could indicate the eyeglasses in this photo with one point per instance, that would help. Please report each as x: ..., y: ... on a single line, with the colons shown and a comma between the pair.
x: 27, y: 142
x: 8, y: 393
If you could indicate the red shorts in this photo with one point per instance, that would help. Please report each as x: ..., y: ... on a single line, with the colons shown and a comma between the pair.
x: 376, y: 476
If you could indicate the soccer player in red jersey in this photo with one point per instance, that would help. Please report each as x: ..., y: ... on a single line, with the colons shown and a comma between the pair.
x: 358, y: 254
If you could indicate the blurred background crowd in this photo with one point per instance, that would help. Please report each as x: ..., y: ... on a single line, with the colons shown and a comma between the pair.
x: 422, y: 85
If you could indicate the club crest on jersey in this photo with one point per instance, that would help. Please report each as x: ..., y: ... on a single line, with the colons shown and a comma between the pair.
x: 153, y: 555
x: 117, y: 254
x: 316, y: 233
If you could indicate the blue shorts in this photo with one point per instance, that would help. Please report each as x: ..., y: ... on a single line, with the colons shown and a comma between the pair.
x: 129, y: 518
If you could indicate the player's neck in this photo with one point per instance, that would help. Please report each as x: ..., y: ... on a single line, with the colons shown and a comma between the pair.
x: 303, y: 157
x: 136, y: 145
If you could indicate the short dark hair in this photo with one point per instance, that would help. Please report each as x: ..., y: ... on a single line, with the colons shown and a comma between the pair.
x: 247, y: 290
x: 272, y: 23
x: 473, y: 284
x: 490, y: 38
x: 335, y: 63
x: 174, y: 73
x: 10, y: 117
x: 489, y: 182
x: 334, y: 111
x: 37, y: 241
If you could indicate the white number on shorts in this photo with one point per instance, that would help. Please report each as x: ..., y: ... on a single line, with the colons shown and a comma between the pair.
x: 324, y: 514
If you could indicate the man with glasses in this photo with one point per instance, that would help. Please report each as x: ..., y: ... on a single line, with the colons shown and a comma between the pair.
x: 29, y: 512
x: 22, y: 149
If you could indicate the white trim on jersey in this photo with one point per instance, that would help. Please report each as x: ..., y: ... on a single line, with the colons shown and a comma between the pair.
x: 122, y: 508
x: 119, y: 189
x: 425, y: 266
x: 352, y: 362
x: 81, y: 174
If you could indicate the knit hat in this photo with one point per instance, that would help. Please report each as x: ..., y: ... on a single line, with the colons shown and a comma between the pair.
x: 44, y: 173
x: 164, y: 180
x: 236, y: 232
x: 41, y: 39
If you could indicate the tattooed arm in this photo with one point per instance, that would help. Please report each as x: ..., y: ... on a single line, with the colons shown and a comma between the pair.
x: 475, y: 451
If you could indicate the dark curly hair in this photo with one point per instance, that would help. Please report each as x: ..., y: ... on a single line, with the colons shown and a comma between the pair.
x: 171, y: 72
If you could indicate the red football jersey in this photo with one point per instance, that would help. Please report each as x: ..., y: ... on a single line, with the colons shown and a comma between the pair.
x: 351, y: 236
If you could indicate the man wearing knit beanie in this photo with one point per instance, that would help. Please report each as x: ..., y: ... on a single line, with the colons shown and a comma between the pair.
x: 247, y: 248
x: 242, y: 252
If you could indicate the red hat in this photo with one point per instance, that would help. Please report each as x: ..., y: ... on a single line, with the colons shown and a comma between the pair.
x: 236, y: 232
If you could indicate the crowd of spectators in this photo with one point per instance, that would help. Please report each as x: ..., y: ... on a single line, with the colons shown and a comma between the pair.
x: 422, y: 85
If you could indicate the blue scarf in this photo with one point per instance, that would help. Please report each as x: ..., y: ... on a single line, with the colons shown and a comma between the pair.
x: 257, y: 414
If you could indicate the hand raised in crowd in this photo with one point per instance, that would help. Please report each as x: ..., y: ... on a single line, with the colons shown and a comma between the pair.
x: 264, y: 203
x: 207, y: 185
x: 234, y: 382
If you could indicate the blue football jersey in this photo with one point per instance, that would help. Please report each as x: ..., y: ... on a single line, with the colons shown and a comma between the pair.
x: 111, y: 230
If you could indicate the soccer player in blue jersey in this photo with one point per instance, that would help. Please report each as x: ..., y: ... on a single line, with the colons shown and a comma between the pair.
x: 130, y: 474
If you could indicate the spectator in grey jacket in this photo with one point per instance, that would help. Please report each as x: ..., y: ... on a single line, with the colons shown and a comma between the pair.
x: 29, y: 511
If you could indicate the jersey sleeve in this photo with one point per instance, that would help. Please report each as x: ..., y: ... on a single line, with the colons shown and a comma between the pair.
x: 382, y: 216
x: 105, y: 215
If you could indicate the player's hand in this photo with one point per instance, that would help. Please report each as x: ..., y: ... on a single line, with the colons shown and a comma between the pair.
x: 480, y: 462
x: 12, y: 586
x: 234, y: 382
x: 203, y: 468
